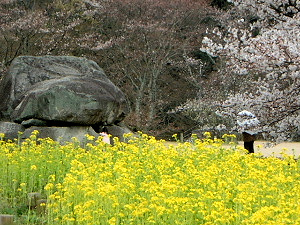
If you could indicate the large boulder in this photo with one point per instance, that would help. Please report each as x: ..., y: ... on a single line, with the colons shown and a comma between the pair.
x: 59, y: 90
x: 71, y: 99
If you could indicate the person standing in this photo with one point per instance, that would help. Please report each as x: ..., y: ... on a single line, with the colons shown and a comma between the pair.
x: 105, y: 135
x: 248, y: 125
x: 249, y: 138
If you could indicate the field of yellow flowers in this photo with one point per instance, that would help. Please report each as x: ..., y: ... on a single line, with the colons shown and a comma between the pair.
x: 145, y: 181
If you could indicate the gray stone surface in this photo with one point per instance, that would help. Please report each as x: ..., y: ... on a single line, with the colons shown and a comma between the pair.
x: 60, y: 89
x: 71, y: 99
x: 10, y: 129
x: 61, y: 134
x: 6, y: 219
x: 118, y: 131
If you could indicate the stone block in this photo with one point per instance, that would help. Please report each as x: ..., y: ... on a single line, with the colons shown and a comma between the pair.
x: 41, y: 206
x: 62, y: 134
x: 33, y: 197
x: 6, y: 219
x: 10, y: 129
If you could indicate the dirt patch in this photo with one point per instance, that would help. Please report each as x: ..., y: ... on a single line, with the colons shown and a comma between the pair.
x: 269, y: 149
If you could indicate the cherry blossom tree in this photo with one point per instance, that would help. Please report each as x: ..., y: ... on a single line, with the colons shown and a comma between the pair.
x: 261, y: 41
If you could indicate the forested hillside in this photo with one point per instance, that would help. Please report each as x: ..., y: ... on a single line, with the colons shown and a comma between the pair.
x: 183, y: 64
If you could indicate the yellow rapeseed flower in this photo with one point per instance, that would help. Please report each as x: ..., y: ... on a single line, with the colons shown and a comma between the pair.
x: 89, y: 137
x: 49, y: 186
x: 147, y: 181
x: 33, y: 167
x: 112, y: 221
x: 207, y: 134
